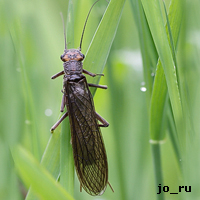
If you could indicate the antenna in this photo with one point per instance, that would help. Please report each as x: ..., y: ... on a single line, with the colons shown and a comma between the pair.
x: 64, y: 30
x: 86, y: 23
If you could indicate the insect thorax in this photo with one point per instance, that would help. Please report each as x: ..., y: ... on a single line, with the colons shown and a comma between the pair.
x: 73, y: 67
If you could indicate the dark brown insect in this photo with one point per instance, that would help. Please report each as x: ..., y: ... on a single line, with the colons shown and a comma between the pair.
x: 88, y: 147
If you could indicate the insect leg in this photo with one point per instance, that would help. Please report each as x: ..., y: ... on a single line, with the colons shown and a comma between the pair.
x: 58, y: 122
x: 58, y: 74
x: 102, y: 120
x: 81, y: 187
x: 63, y: 103
x: 91, y: 74
x: 98, y: 86
x: 110, y: 187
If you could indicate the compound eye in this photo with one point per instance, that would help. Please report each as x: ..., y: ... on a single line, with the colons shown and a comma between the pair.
x: 82, y: 56
x: 65, y: 57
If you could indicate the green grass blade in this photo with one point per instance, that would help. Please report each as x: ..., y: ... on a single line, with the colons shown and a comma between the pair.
x: 170, y: 37
x: 50, y: 159
x: 33, y: 173
x: 70, y: 25
x: 66, y: 154
x: 99, y: 48
x: 174, y: 20
x: 156, y: 23
x: 15, y: 33
x: 157, y: 168
x: 159, y: 95
x: 158, y: 105
x: 67, y: 160
x: 148, y: 50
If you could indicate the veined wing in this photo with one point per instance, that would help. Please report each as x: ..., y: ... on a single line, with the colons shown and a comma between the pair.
x: 88, y: 147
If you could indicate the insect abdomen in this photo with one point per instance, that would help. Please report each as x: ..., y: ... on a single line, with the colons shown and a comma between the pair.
x: 88, y: 148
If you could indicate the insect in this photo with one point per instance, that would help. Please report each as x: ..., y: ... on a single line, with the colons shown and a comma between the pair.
x: 88, y: 147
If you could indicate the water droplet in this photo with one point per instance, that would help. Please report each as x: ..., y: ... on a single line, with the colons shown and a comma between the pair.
x: 142, y: 83
x: 27, y: 122
x: 48, y: 112
x: 152, y: 74
x: 143, y: 89
x: 18, y: 69
x: 180, y: 160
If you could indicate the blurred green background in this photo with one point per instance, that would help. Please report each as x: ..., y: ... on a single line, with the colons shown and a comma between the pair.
x: 31, y: 42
